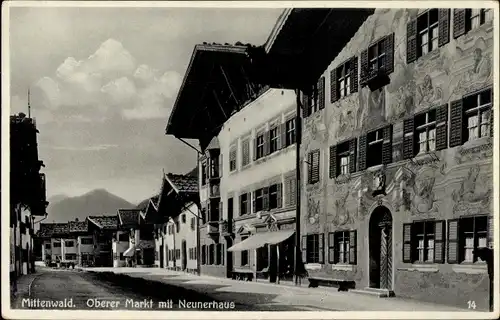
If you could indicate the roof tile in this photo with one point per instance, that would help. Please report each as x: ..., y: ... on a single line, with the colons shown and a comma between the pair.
x: 105, y: 222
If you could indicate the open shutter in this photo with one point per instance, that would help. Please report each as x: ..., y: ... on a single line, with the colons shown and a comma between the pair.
x: 456, y: 123
x: 411, y: 41
x: 265, y: 199
x: 321, y: 93
x: 387, y: 145
x: 293, y: 193
x: 221, y: 210
x: 444, y: 26
x: 249, y: 194
x: 315, y: 172
x: 458, y: 22
x: 362, y: 152
x: 305, y: 105
x: 439, y: 241
x: 221, y: 162
x: 333, y: 162
x: 364, y: 67
x: 254, y: 203
x: 334, y: 94
x: 304, y: 249
x: 407, y: 242
x: 282, y: 136
x: 331, y: 248
x: 408, y: 138
x: 442, y: 127
x: 491, y: 116
x: 279, y: 195
x: 389, y: 53
x: 352, y: 155
x: 352, y: 247
x: 321, y: 243
x: 309, y: 167
x: 354, y: 74
x: 453, y: 241
x: 267, y: 143
x: 254, y: 146
x: 491, y: 232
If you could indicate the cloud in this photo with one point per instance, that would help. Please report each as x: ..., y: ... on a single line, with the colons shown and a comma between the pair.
x: 108, y: 83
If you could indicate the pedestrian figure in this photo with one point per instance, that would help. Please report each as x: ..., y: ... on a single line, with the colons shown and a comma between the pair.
x: 486, y: 254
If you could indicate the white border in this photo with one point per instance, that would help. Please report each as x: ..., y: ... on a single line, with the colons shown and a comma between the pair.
x: 54, y: 314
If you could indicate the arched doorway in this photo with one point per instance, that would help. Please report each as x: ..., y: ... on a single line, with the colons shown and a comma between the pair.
x: 380, y: 248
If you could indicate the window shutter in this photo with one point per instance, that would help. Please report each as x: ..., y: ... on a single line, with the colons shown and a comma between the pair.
x: 491, y: 232
x: 321, y: 240
x: 453, y: 241
x: 389, y: 53
x: 331, y: 248
x: 315, y: 166
x: 362, y: 153
x: 304, y: 249
x: 411, y: 41
x: 279, y: 195
x: 456, y: 123
x: 408, y: 138
x: 265, y: 199
x: 491, y: 118
x: 334, y: 94
x: 387, y: 145
x: 444, y: 27
x: 333, y: 162
x: 305, y: 105
x: 282, y: 136
x: 267, y: 143
x: 293, y: 193
x: 254, y: 203
x: 407, y: 242
x: 352, y: 155
x: 254, y: 144
x: 364, y: 67
x: 354, y: 74
x: 321, y: 93
x: 222, y: 253
x: 221, y: 210
x: 352, y: 247
x: 221, y: 162
x: 249, y: 203
x: 442, y: 127
x: 458, y: 22
x: 439, y: 241
x: 309, y: 167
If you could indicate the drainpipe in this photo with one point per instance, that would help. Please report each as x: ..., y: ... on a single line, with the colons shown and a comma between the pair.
x: 298, y: 138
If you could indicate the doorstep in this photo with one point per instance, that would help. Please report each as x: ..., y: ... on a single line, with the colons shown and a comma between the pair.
x: 381, y: 293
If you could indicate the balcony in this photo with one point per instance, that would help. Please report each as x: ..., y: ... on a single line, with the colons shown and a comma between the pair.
x: 213, y: 228
x: 227, y: 228
x: 375, y: 78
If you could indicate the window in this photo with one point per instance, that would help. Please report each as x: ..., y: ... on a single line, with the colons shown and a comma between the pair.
x: 245, y: 152
x: 377, y: 62
x: 57, y: 244
x: 211, y: 253
x: 425, y: 128
x: 183, y: 218
x: 177, y: 226
x: 477, y: 111
x: 315, y: 99
x: 121, y: 256
x: 275, y: 196
x: 195, y: 254
x: 343, y: 158
x: 290, y: 190
x: 314, y: 248
x: 260, y: 146
x: 203, y: 254
x: 473, y: 234
x: 193, y: 223
x: 469, y: 19
x: 232, y: 159
x: 428, y: 32
x: 47, y: 246
x: 203, y: 173
x: 290, y: 132
x: 121, y: 237
x: 423, y: 241
x: 219, y: 254
x: 342, y: 247
x: 313, y: 167
x: 376, y: 56
x: 258, y: 199
x: 244, y: 207
x: 375, y: 140
x: 70, y: 256
x: 344, y: 79
x: 273, y: 136
x: 244, y: 254
x: 230, y: 209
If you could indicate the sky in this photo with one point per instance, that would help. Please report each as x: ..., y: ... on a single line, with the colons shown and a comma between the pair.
x: 103, y: 82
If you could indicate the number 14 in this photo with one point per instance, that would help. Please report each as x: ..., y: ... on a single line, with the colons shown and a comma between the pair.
x: 471, y: 304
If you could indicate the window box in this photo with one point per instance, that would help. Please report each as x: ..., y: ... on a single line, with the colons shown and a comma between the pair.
x: 377, y: 63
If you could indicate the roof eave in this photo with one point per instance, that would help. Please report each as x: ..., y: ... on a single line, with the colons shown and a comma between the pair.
x: 277, y: 29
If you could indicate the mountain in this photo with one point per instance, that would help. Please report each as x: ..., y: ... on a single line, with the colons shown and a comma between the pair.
x: 95, y: 202
x: 57, y: 198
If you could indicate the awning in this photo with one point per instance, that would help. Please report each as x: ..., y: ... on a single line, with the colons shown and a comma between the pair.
x: 129, y: 252
x: 260, y: 239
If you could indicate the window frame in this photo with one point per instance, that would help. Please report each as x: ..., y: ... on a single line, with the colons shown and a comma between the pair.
x: 427, y: 30
x: 244, y: 253
x: 342, y: 155
x: 344, y: 76
x: 244, y: 203
x: 245, y: 152
x: 233, y: 155
x: 204, y: 171
x: 481, y: 15
x: 273, y: 193
x: 480, y: 109
x: 258, y: 198
x: 426, y: 127
x: 274, y: 137
x: 291, y: 137
x: 462, y: 242
x: 312, y: 248
x: 260, y: 147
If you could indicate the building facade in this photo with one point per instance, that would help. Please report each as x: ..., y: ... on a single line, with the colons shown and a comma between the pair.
x: 397, y: 149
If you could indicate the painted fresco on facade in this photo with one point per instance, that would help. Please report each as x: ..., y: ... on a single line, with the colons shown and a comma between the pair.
x: 474, y: 194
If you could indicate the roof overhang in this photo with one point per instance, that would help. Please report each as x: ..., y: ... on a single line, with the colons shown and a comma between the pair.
x: 303, y: 43
x: 215, y: 84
